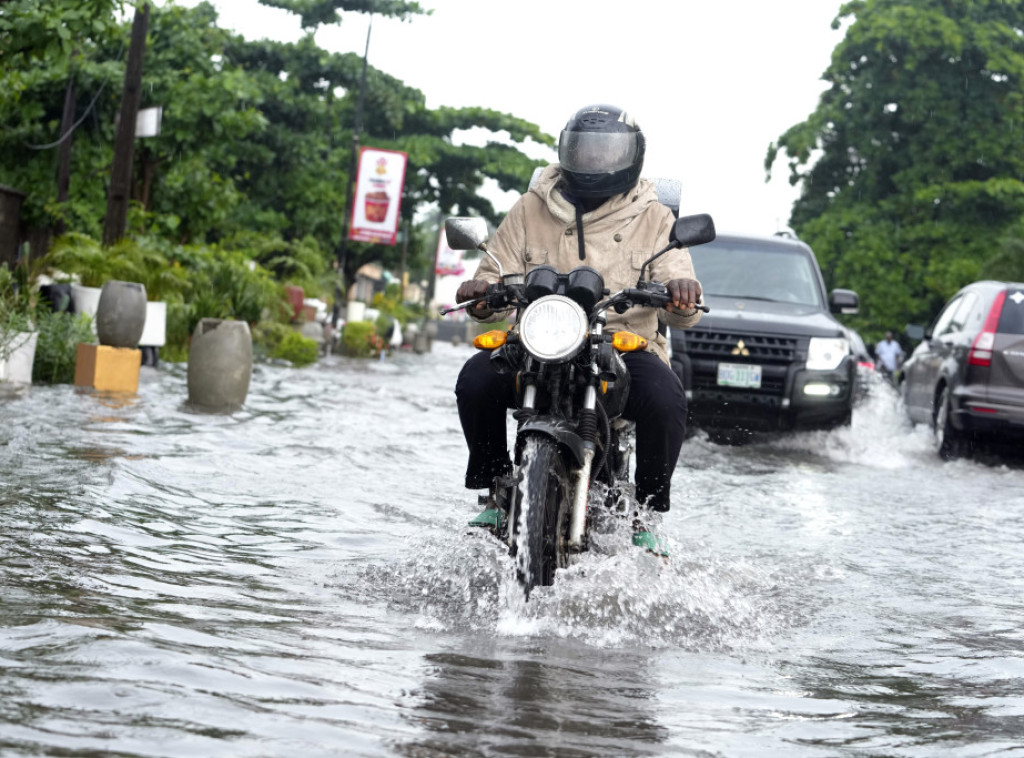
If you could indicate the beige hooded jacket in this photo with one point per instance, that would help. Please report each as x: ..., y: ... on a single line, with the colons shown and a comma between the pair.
x: 619, y: 236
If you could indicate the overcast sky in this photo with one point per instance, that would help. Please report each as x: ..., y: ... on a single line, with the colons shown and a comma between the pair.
x: 711, y: 83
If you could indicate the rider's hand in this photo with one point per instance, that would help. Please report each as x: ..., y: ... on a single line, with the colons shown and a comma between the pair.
x: 685, y: 294
x: 472, y: 289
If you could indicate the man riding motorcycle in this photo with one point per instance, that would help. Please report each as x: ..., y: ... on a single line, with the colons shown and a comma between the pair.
x: 591, y: 208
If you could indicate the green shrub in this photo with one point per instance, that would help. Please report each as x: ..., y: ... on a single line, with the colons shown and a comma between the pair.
x: 57, y: 345
x: 15, y: 308
x: 389, y: 303
x: 267, y: 336
x: 298, y: 349
x: 360, y: 339
x: 141, y: 259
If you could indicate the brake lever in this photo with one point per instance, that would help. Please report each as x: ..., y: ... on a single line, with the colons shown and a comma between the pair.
x: 460, y: 306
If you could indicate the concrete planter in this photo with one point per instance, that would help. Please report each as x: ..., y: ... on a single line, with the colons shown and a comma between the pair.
x: 21, y: 354
x: 121, y: 313
x: 219, y: 365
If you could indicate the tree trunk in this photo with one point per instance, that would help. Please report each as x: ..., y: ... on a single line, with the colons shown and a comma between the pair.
x: 64, y: 154
x: 124, y: 145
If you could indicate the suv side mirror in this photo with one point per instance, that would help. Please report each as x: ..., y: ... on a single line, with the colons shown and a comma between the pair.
x: 914, y: 332
x: 843, y: 301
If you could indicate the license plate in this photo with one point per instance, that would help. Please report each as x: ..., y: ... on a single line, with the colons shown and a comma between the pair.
x: 739, y: 375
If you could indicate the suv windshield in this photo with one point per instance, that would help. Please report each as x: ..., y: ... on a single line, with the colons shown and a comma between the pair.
x: 758, y: 273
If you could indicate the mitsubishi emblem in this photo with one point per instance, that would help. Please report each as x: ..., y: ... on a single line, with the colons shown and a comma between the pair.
x: 740, y: 349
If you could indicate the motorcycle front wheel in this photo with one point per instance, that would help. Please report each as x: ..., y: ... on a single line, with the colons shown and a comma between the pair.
x: 542, y: 523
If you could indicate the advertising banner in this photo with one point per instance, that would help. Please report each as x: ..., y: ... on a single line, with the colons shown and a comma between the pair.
x: 447, y: 262
x: 380, y: 177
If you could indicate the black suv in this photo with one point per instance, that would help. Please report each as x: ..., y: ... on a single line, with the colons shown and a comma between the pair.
x: 966, y: 378
x: 769, y: 356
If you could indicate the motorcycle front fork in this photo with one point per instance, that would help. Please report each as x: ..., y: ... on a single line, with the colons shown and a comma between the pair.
x: 581, y: 476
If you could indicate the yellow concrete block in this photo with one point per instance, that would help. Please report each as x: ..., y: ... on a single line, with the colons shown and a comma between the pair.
x: 110, y: 369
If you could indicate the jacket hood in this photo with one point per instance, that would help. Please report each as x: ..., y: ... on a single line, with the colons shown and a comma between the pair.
x: 618, y: 207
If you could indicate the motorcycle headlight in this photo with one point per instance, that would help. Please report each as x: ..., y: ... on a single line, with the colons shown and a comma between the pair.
x: 826, y: 353
x: 553, y: 328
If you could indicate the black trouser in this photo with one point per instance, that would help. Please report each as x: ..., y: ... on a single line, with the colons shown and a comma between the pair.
x: 656, y: 404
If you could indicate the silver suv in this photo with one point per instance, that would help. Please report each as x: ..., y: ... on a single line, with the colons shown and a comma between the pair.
x: 966, y: 377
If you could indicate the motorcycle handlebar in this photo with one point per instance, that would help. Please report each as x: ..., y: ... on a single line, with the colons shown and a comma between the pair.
x: 497, y: 297
x: 654, y: 295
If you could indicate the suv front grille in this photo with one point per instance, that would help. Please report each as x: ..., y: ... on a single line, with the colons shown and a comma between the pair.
x: 773, y: 353
x: 756, y: 348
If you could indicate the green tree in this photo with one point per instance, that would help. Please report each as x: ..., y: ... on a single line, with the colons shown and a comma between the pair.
x: 256, y: 136
x: 297, y: 169
x: 44, y: 48
x: 911, y: 168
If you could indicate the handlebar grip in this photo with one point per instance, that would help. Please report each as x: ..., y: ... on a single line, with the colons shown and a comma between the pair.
x: 496, y: 297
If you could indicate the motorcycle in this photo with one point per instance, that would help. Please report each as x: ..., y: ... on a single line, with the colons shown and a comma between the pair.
x: 571, y: 390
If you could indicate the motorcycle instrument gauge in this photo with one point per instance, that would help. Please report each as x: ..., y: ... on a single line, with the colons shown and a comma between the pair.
x: 553, y: 328
x: 585, y: 286
x: 541, y: 281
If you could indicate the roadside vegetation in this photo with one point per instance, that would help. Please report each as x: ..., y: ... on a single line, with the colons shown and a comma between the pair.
x: 243, y: 192
x: 911, y: 168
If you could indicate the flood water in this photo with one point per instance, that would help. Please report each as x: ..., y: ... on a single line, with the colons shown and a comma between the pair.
x: 295, y: 580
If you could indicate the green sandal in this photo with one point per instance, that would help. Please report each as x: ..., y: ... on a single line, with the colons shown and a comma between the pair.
x: 488, y: 519
x: 651, y: 543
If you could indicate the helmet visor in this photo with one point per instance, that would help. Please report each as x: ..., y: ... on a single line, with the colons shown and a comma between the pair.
x: 596, y: 152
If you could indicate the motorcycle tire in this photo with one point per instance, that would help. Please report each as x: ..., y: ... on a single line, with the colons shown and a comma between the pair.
x: 542, y: 523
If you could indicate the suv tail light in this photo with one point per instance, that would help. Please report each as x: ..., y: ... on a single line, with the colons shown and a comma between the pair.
x: 981, y: 350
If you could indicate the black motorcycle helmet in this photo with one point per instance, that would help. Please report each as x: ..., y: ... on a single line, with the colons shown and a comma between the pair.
x: 601, y: 151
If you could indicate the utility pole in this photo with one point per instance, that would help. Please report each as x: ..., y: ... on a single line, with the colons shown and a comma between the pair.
x: 405, y: 254
x: 342, y: 250
x: 64, y: 154
x: 124, y: 143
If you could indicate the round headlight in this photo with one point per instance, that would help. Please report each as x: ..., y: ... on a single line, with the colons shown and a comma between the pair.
x: 552, y: 328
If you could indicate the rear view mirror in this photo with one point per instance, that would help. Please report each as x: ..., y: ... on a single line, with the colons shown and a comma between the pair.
x: 692, y: 230
x: 465, y: 232
x: 687, y: 231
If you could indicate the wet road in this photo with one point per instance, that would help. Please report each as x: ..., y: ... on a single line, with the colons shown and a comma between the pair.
x: 295, y: 579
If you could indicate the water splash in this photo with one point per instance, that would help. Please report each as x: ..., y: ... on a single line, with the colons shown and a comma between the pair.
x: 617, y: 596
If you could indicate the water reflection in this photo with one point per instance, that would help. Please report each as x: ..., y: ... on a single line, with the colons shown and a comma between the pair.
x: 907, y: 710
x: 534, y: 702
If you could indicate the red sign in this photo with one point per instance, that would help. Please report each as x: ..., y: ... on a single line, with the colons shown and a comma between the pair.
x: 447, y: 262
x: 380, y: 178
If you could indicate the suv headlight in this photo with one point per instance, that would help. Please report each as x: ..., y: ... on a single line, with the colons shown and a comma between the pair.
x: 826, y: 353
x: 553, y: 328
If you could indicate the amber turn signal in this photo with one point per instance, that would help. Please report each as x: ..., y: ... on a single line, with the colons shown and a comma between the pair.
x: 627, y: 342
x: 490, y: 340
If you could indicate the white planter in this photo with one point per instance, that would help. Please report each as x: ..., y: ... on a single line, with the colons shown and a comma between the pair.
x: 356, y: 311
x: 154, y: 333
x: 17, y: 369
x: 86, y: 300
